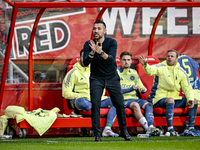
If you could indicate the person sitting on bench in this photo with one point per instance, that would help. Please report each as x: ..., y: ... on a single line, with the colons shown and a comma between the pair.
x: 169, y: 78
x: 130, y: 82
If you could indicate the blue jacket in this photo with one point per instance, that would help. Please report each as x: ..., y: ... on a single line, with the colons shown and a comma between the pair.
x: 191, y: 67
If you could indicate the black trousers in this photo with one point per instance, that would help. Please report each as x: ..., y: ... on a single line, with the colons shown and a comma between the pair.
x: 114, y: 89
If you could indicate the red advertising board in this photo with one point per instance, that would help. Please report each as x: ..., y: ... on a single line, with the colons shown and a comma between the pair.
x: 62, y: 32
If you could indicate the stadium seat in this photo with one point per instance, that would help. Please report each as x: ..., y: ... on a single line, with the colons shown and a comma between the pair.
x: 67, y: 107
x: 72, y: 62
x: 118, y: 62
x: 66, y: 104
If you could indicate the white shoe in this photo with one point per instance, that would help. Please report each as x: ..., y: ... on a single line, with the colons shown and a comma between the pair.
x: 173, y: 132
x: 109, y: 133
x: 153, y: 131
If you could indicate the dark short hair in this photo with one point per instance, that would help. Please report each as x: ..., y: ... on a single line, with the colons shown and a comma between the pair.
x: 172, y: 50
x: 125, y: 53
x: 100, y: 21
x: 81, y: 52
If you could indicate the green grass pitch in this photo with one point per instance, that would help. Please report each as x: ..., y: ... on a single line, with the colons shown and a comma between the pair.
x: 107, y: 143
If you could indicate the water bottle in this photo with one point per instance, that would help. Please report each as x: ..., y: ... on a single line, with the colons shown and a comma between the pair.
x: 166, y: 134
x: 5, y: 136
x: 143, y: 135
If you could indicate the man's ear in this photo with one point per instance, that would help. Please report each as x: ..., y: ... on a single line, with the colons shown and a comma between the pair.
x: 105, y: 31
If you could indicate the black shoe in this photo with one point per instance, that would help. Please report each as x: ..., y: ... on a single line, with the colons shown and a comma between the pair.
x: 97, y: 138
x: 126, y: 136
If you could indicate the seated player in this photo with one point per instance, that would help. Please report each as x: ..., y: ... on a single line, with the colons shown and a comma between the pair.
x: 169, y: 78
x: 130, y: 82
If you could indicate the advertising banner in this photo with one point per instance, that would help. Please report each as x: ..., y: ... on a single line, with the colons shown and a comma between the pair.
x: 62, y: 32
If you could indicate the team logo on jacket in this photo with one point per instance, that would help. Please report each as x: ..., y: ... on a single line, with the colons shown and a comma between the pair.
x: 132, y: 78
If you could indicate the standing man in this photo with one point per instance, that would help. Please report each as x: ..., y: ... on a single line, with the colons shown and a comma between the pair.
x: 100, y: 52
x: 130, y: 82
x: 169, y: 78
x: 76, y: 89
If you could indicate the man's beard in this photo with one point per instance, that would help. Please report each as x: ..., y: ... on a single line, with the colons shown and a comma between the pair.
x: 98, y: 38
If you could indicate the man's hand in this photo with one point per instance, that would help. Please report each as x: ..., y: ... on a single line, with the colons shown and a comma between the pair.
x: 99, y: 48
x: 191, y: 103
x: 92, y: 46
x: 143, y: 89
x: 135, y: 87
x: 142, y: 60
x: 95, y: 47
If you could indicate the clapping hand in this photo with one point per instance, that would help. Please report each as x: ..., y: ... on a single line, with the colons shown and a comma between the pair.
x: 92, y: 46
x: 96, y: 47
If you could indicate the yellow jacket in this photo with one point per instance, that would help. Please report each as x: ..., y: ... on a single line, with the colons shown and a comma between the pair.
x: 41, y: 120
x: 169, y: 81
x: 128, y: 78
x: 197, y: 95
x: 76, y: 83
